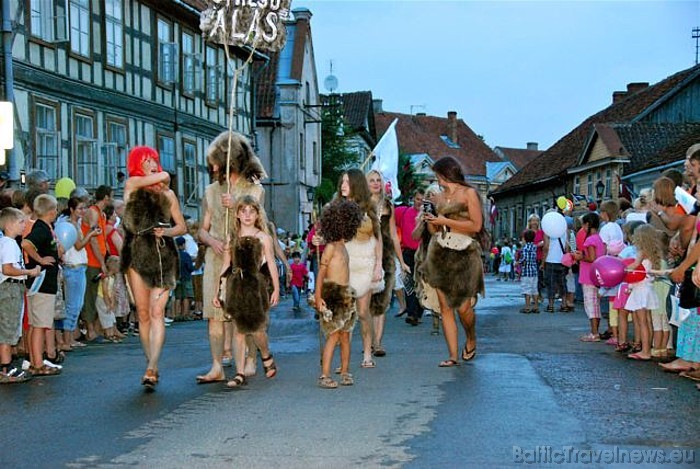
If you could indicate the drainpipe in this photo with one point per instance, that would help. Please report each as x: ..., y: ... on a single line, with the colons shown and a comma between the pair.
x: 8, y: 76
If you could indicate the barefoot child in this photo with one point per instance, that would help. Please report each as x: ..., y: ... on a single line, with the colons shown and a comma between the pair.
x: 335, y: 299
x: 247, y: 261
x: 12, y: 278
x: 643, y: 298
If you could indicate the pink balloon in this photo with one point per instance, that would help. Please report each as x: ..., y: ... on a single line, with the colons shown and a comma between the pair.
x: 607, y: 271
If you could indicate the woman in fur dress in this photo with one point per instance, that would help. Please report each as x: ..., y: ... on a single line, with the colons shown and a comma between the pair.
x: 365, y: 253
x: 453, y: 261
x: 152, y: 219
x: 247, y: 300
x: 244, y: 176
x: 391, y: 250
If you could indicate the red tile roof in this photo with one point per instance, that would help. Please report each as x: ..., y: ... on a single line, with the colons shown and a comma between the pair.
x: 266, y: 92
x: 564, y: 154
x: 520, y: 157
x: 422, y: 134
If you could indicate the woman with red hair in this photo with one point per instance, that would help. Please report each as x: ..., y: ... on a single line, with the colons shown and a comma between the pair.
x: 150, y: 261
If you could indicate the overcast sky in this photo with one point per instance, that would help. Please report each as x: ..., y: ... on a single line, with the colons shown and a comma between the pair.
x: 515, y: 71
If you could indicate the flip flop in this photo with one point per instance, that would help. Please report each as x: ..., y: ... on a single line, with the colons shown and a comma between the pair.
x: 468, y: 354
x: 202, y: 379
x: 368, y: 364
x: 448, y: 363
x: 636, y: 356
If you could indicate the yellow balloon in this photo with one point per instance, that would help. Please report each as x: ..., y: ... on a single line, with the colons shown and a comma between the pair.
x: 561, y: 202
x: 64, y: 187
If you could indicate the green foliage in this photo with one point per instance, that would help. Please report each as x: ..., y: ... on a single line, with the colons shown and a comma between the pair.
x: 409, y: 180
x: 337, y: 156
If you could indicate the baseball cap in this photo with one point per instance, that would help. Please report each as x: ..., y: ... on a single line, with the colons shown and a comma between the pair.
x: 180, y: 240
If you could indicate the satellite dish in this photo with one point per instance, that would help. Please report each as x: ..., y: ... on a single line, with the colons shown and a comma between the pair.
x: 331, y: 83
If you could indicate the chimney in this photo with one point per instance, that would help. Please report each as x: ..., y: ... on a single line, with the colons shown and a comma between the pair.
x: 618, y: 96
x: 302, y: 14
x: 532, y: 146
x: 377, y: 105
x: 452, y: 126
x: 421, y: 114
x: 636, y: 87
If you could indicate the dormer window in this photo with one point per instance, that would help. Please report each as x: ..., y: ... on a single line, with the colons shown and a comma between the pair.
x: 448, y: 141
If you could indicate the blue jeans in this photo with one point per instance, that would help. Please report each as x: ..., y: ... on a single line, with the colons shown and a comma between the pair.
x: 295, y: 295
x: 74, y: 293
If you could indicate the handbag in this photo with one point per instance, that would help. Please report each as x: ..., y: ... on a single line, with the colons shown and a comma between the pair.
x: 687, y: 292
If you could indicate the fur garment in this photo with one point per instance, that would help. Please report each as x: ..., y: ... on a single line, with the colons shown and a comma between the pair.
x: 247, y: 295
x: 340, y: 301
x: 380, y: 300
x: 156, y: 261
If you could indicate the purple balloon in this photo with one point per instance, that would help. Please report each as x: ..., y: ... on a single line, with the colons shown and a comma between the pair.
x: 607, y: 271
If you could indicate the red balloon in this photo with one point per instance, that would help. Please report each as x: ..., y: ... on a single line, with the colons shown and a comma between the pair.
x: 636, y: 275
x: 607, y: 271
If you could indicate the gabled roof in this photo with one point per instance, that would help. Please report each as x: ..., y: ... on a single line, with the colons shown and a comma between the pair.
x: 520, y: 157
x: 494, y: 169
x: 565, y: 153
x: 358, y: 113
x: 423, y: 134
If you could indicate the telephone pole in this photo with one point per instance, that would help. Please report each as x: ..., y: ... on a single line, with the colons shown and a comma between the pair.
x: 696, y: 36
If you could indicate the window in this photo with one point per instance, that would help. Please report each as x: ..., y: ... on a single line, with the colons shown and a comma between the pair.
x: 114, y: 153
x: 190, y: 172
x: 213, y: 71
x: 114, y: 33
x: 577, y: 185
x: 190, y: 65
x: 80, y: 27
x: 85, y: 151
x: 589, y: 187
x: 315, y: 157
x: 166, y: 149
x: 167, y: 53
x: 302, y: 152
x: 49, y: 20
x: 608, y: 183
x: 47, y: 139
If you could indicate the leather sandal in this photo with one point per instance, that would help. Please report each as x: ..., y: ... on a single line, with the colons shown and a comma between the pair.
x: 237, y: 381
x: 270, y: 370
x: 150, y: 379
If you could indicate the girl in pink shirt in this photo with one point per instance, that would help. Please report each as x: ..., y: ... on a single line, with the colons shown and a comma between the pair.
x: 593, y: 248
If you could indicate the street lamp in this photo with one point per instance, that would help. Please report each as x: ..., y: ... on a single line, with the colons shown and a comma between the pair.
x: 310, y: 193
x: 599, y: 190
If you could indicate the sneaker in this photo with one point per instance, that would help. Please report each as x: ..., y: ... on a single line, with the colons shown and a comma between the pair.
x: 590, y: 338
x: 168, y: 321
x: 26, y: 365
x: 15, y: 376
x: 51, y: 364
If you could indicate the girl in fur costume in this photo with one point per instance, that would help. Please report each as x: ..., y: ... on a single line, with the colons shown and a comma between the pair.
x: 149, y: 256
x: 247, y: 299
x: 334, y: 297
x: 365, y: 253
x: 391, y: 250
x: 453, y: 261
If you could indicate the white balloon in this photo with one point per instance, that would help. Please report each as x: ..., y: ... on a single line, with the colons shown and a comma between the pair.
x: 554, y: 224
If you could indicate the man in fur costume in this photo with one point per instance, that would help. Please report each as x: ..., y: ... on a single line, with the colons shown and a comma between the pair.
x: 242, y: 178
x: 335, y: 299
x: 152, y: 219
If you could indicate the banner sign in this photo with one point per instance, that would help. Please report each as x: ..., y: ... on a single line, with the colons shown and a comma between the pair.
x: 255, y: 23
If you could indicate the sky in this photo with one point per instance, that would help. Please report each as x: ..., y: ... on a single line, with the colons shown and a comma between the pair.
x: 515, y: 72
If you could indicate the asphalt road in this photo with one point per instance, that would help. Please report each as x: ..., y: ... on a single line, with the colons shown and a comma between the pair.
x: 533, y: 392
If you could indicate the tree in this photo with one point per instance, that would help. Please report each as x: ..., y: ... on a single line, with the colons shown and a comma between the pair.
x: 409, y: 180
x: 337, y: 156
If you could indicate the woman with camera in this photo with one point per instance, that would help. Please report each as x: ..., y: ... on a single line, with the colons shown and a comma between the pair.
x: 150, y: 259
x: 453, y: 261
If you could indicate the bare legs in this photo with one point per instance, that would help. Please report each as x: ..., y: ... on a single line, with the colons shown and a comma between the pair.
x: 150, y: 307
x: 378, y: 331
x: 216, y: 345
x: 449, y: 326
x: 260, y: 341
x: 365, y: 326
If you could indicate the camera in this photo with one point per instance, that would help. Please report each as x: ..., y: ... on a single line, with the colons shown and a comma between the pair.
x: 429, y: 207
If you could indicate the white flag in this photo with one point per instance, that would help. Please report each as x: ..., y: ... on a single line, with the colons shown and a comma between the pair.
x: 387, y: 159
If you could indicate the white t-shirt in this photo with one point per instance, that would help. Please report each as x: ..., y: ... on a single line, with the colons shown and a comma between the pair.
x: 10, y: 253
x: 554, y: 254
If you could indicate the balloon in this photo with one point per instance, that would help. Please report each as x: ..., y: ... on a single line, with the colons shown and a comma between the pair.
x: 554, y: 225
x: 561, y: 202
x: 66, y: 234
x: 64, y: 187
x: 636, y: 275
x: 607, y: 271
x: 569, y: 205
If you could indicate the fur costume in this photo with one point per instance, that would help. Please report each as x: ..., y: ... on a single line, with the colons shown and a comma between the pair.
x: 157, y: 262
x: 426, y: 295
x: 247, y: 295
x: 340, y: 302
x: 459, y: 274
x: 380, y: 300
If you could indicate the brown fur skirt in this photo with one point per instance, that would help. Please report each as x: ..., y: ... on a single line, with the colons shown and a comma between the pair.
x: 459, y: 275
x: 340, y: 300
